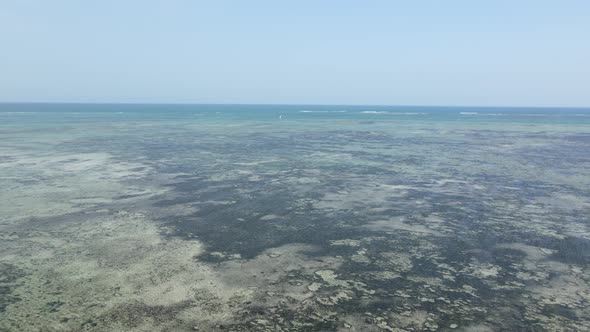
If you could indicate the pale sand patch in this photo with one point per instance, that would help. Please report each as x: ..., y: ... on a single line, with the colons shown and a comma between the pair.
x: 255, y: 163
x: 565, y: 201
x: 101, y: 269
x: 104, y: 265
x: 398, y: 224
x: 269, y: 217
x: 346, y: 242
x: 362, y: 194
x: 482, y: 270
x: 567, y: 288
x: 44, y: 185
x: 532, y: 252
x: 278, y: 276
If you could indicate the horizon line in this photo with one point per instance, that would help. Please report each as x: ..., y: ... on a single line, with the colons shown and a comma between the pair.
x: 281, y: 104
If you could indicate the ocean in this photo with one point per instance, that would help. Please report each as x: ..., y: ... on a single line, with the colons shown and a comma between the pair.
x: 131, y: 217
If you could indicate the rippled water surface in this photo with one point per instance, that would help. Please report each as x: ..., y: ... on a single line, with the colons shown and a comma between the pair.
x: 293, y: 218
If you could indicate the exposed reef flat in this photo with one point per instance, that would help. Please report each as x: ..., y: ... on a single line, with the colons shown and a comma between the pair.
x: 348, y: 225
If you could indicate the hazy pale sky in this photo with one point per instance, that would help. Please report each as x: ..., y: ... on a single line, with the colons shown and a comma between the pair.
x: 454, y: 52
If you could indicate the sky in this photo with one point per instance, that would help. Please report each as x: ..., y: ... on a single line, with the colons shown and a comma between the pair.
x: 370, y: 52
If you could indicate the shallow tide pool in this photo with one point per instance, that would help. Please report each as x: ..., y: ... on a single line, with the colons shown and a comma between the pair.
x: 293, y: 218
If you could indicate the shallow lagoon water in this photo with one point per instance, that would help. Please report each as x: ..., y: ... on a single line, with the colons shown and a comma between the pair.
x: 293, y: 218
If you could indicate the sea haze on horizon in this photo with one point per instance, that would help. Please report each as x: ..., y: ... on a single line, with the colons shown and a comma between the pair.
x: 420, y: 52
x: 396, y: 106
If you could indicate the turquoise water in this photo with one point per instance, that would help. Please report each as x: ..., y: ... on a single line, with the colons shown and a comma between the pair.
x: 293, y: 218
x: 13, y: 113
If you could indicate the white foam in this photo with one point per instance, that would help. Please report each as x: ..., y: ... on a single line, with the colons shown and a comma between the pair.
x: 408, y: 113
x: 305, y: 111
x: 393, y: 113
x: 14, y: 112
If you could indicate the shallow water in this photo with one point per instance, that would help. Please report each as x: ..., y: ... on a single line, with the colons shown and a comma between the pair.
x: 293, y: 218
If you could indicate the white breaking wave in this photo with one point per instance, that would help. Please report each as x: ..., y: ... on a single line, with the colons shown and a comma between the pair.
x: 305, y: 111
x: 522, y: 114
x: 393, y: 113
x: 409, y: 113
x: 11, y: 112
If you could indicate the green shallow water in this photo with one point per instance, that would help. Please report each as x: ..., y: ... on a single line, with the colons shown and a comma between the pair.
x: 293, y: 218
